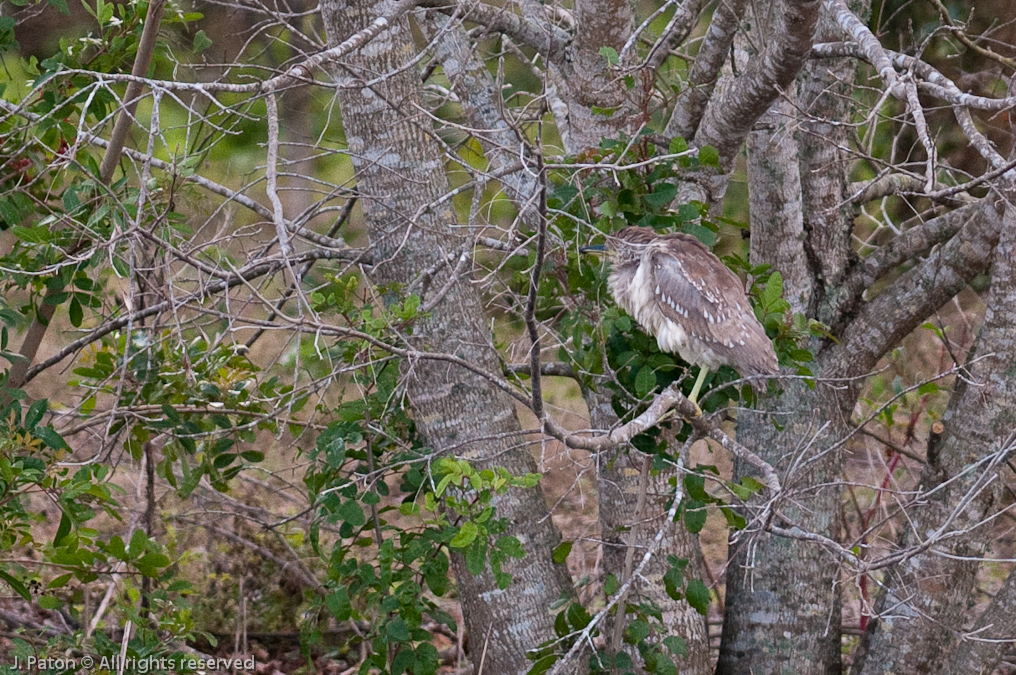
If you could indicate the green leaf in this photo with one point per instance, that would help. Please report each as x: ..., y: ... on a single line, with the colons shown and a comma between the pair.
x: 694, y: 516
x: 734, y: 519
x: 397, y: 630
x: 503, y: 580
x: 476, y: 557
x: 742, y: 492
x: 689, y: 213
x: 610, y: 54
x: 403, y: 661
x: 201, y: 42
x: 543, y: 664
x: 606, y: 112
x: 578, y: 617
x: 116, y: 548
x: 139, y: 540
x: 465, y: 536
x: 32, y: 235
x: 437, y: 581
x: 427, y: 659
x: 18, y: 587
x: 352, y: 513
x: 709, y: 156
x: 511, y: 546
x: 60, y: 581
x: 673, y: 582
x: 170, y: 413
x: 700, y: 232
x: 51, y: 438
x: 645, y: 382
x: 561, y: 624
x: 638, y: 631
x: 49, y: 602
x: 678, y: 145
x: 338, y: 604
x: 35, y: 413
x: 698, y: 596
x: 695, y: 486
x: 773, y: 291
x: 150, y: 563
x: 752, y: 484
x: 662, y: 195
x: 676, y: 645
x: 610, y: 585
x: 63, y: 529
x: 75, y: 312
x: 561, y: 552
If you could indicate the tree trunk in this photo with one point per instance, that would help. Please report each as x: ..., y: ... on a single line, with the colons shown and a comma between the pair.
x: 782, y: 606
x: 775, y: 201
x: 398, y: 163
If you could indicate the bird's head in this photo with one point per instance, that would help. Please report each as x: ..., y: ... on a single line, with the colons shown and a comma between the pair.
x: 625, y: 246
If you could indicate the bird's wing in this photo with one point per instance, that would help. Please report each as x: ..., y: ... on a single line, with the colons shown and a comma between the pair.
x: 694, y: 289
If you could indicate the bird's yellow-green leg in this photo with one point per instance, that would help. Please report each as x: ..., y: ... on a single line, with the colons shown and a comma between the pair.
x: 693, y: 397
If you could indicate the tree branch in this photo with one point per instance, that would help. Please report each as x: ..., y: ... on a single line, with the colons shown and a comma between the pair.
x: 241, y: 277
x: 125, y: 119
x: 909, y: 300
x: 907, y: 245
x: 585, y: 636
x: 692, y: 102
x: 740, y: 101
x: 669, y: 399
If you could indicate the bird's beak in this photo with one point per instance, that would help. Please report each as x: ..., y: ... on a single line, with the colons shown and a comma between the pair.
x: 598, y: 248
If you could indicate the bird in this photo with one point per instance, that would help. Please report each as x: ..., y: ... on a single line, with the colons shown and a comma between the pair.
x: 679, y: 291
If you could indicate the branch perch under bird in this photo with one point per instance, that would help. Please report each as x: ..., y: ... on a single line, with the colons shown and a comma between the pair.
x: 695, y: 305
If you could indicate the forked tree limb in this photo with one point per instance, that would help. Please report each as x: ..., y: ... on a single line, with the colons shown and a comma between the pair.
x: 739, y: 102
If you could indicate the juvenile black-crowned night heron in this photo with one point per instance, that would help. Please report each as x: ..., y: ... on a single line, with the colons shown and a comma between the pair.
x: 695, y: 305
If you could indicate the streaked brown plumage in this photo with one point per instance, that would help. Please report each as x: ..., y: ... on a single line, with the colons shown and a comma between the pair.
x: 695, y: 305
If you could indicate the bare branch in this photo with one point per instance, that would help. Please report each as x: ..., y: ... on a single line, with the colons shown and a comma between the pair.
x: 911, y: 243
x: 909, y: 300
x: 692, y: 102
x: 669, y: 399
x: 740, y: 101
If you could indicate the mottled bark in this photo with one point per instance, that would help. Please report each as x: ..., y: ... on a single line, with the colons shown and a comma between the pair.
x: 824, y: 95
x: 399, y: 165
x: 705, y: 71
x: 903, y: 305
x: 982, y: 648
x: 775, y: 204
x: 925, y: 598
x: 618, y: 483
x: 782, y: 613
x: 740, y: 101
x: 782, y: 603
x: 591, y: 82
x: 528, y: 30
